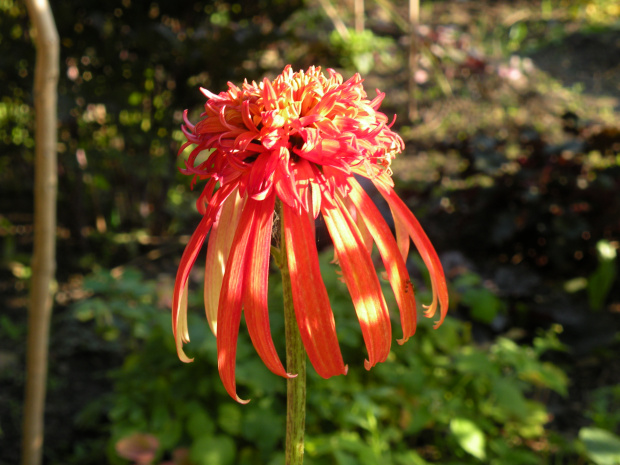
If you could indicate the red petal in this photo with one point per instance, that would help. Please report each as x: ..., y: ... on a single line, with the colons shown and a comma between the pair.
x: 365, y: 234
x: 229, y: 308
x: 179, y: 299
x: 392, y: 259
x: 425, y: 248
x: 312, y: 309
x: 402, y: 236
x: 309, y: 192
x: 359, y: 274
x: 255, y: 286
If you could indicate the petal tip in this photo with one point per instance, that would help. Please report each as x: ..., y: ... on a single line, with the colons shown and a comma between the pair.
x: 184, y: 358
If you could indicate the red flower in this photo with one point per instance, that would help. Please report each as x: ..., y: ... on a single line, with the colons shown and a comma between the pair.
x: 300, y: 139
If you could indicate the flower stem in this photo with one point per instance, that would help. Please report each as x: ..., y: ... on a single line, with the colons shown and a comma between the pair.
x: 295, y: 363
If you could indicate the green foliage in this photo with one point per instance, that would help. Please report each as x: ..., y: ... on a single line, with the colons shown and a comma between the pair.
x: 361, y: 50
x: 483, y: 303
x: 469, y: 402
x: 602, y: 446
x: 604, y: 407
x: 599, y: 284
x: 120, y: 302
x: 469, y: 437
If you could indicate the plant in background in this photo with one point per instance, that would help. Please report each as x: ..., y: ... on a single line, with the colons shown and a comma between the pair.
x: 602, y: 279
x: 296, y: 145
x: 361, y: 50
x: 423, y: 405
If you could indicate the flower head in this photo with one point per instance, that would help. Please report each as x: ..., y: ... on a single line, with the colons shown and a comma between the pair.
x: 302, y: 139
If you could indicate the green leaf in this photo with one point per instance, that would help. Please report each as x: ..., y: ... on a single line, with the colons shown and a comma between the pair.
x: 474, y: 362
x: 214, y: 450
x: 509, y: 398
x: 602, y: 446
x: 200, y: 424
x: 229, y: 418
x: 483, y: 303
x: 601, y: 280
x: 259, y: 426
x: 409, y: 458
x: 469, y: 437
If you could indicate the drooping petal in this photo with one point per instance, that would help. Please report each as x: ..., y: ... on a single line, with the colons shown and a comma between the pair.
x: 218, y: 248
x: 312, y: 309
x: 425, y: 248
x: 392, y: 259
x: 309, y: 192
x: 402, y: 236
x: 179, y: 298
x: 358, y: 218
x: 229, y: 308
x: 359, y: 274
x: 255, y: 287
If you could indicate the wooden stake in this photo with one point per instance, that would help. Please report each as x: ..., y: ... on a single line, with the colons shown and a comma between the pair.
x: 44, y: 253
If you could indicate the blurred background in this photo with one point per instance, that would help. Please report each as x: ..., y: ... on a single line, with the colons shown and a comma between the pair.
x: 512, y: 165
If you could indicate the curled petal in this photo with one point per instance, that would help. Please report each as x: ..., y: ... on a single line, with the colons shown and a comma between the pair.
x: 425, y: 248
x: 179, y: 298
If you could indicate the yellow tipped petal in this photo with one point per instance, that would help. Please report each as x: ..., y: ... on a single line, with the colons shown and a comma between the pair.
x: 218, y: 249
x: 182, y: 334
x: 426, y: 250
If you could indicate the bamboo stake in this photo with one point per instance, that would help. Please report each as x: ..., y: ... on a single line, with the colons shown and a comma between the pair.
x: 44, y: 258
x: 414, y: 19
x: 335, y: 18
x: 359, y: 16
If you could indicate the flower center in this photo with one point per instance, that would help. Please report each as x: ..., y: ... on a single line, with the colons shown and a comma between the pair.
x: 295, y: 142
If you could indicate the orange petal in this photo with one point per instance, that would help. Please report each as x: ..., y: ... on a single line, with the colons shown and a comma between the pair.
x: 255, y: 287
x: 361, y: 279
x: 402, y: 236
x: 218, y: 248
x: 392, y: 259
x: 179, y: 299
x: 312, y: 309
x: 365, y: 234
x: 229, y: 308
x: 425, y: 248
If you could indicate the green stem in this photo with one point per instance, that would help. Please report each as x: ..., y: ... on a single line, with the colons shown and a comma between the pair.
x: 295, y: 363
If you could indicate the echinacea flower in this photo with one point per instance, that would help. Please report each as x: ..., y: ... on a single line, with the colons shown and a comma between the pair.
x: 300, y: 139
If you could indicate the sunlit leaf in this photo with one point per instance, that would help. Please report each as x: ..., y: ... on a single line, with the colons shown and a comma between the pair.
x: 469, y: 437
x: 602, y: 446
